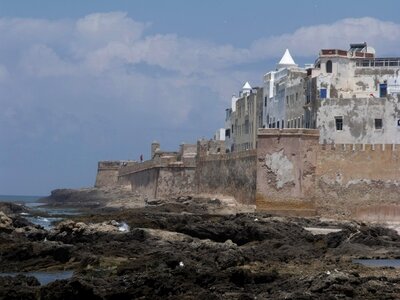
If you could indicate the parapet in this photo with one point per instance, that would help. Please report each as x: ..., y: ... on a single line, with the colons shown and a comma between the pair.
x: 288, y: 132
x: 113, y: 164
x: 360, y: 147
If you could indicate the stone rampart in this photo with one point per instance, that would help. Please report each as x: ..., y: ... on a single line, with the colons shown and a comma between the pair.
x: 359, y: 181
x: 231, y: 174
x: 290, y: 172
x: 286, y: 163
x: 107, y: 173
x: 157, y: 181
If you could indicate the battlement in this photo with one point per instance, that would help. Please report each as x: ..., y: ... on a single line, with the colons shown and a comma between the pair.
x: 228, y: 156
x: 271, y: 132
x: 360, y: 147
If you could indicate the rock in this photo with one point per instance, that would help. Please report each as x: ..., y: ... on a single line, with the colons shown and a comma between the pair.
x: 6, y: 223
x: 18, y: 287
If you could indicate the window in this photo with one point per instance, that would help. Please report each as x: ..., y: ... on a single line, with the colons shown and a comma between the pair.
x: 339, y: 123
x: 329, y: 66
x: 382, y: 90
x: 322, y: 93
x: 378, y: 123
x: 277, y: 124
x: 228, y: 133
x: 265, y: 101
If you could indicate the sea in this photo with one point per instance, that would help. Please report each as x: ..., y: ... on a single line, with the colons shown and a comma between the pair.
x: 41, y: 214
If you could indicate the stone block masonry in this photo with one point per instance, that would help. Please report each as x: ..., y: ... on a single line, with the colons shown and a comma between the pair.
x: 290, y: 173
x: 286, y: 163
x: 358, y: 180
x: 232, y: 174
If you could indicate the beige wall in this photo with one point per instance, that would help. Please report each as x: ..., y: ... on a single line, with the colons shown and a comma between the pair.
x: 232, y: 174
x: 286, y: 161
x: 354, y: 180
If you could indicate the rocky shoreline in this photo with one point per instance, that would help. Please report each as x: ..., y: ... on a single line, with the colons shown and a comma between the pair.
x: 186, y: 249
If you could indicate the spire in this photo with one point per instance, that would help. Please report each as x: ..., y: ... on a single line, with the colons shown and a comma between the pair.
x: 286, y: 61
x: 246, y: 86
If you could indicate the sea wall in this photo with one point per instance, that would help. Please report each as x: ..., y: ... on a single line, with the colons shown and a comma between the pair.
x: 157, y: 181
x: 359, y: 181
x: 232, y: 174
x: 298, y: 175
x: 290, y: 172
x: 286, y: 163
x: 107, y: 173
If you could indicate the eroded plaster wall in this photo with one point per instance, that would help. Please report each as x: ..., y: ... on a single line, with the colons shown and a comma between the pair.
x: 286, y: 162
x: 358, y: 181
x: 359, y: 120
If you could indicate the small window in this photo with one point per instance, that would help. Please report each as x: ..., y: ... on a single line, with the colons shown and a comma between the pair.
x: 322, y: 93
x: 339, y: 123
x: 329, y: 66
x: 265, y: 101
x: 382, y: 90
x: 378, y: 124
x: 277, y: 124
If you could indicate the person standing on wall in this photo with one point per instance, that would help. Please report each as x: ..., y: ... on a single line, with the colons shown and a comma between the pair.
x: 141, y: 157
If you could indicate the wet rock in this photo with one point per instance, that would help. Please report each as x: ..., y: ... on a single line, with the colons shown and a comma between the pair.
x: 6, y: 223
x: 18, y: 287
x: 68, y: 289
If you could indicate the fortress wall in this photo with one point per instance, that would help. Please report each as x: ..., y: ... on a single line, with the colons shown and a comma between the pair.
x: 297, y: 174
x: 232, y: 174
x: 154, y: 181
x: 286, y: 163
x: 359, y: 181
x: 144, y: 182
x: 107, y: 173
x: 175, y: 181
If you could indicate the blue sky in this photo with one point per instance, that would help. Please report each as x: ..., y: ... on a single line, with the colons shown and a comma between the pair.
x: 83, y: 81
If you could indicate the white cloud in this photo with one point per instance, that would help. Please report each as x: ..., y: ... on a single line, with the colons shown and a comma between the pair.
x: 95, y: 84
x: 307, y: 41
x: 105, y: 55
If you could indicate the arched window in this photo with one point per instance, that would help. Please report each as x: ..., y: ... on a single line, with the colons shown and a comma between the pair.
x: 329, y: 66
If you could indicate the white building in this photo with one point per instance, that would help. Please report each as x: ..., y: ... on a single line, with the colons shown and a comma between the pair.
x: 284, y: 94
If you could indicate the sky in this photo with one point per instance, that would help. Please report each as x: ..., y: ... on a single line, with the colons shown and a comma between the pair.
x: 84, y: 81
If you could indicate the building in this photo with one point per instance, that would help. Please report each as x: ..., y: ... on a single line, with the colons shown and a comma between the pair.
x: 243, y: 119
x: 354, y: 96
x: 284, y: 95
x: 351, y: 96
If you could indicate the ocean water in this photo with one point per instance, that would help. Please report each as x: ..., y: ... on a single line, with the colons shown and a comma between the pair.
x: 378, y: 262
x: 44, y: 277
x: 19, y: 198
x: 43, y: 216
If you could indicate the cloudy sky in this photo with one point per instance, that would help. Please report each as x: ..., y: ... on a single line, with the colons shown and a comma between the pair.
x: 83, y: 81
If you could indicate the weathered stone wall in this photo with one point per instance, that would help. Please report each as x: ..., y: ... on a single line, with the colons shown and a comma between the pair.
x: 231, y: 174
x: 175, y: 181
x: 286, y: 162
x: 143, y: 182
x: 107, y: 173
x: 359, y: 181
